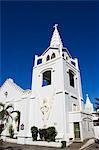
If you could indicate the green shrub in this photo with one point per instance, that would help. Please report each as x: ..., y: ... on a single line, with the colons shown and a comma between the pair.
x: 1, y: 141
x: 63, y: 144
x: 45, y: 135
x: 41, y: 134
x: 1, y: 128
x: 11, y: 131
x: 34, y: 131
x: 48, y: 134
x: 51, y: 134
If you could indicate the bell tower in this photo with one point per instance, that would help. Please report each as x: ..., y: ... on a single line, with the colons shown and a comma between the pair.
x: 56, y: 87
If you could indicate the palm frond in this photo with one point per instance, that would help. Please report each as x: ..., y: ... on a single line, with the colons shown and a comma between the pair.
x: 2, y: 105
x: 9, y: 106
x: 14, y: 111
x: 2, y: 114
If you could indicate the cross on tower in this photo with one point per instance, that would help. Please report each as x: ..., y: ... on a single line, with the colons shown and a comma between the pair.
x: 55, y: 26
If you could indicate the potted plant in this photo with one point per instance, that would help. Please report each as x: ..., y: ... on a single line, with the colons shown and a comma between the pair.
x: 51, y: 134
x: 48, y: 134
x: 34, y: 131
x: 41, y: 134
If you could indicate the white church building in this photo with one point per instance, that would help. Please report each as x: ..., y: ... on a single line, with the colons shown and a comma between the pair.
x: 55, y: 98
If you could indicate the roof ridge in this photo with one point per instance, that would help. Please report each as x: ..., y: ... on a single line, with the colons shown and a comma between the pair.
x: 12, y: 83
x: 17, y: 87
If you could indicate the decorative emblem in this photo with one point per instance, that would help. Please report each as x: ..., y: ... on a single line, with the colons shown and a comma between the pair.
x: 22, y: 126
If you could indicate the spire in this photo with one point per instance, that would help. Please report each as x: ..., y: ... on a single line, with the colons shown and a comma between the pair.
x: 56, y: 40
x: 87, y: 99
x: 88, y: 105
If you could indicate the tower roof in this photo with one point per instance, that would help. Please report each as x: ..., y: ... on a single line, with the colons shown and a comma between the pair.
x: 56, y: 40
x: 87, y: 99
x: 88, y: 105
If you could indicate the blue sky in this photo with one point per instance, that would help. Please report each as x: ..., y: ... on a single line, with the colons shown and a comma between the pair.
x: 26, y: 30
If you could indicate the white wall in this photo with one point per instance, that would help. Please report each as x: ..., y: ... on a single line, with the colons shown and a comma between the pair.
x: 54, y: 94
x: 86, y: 124
x: 96, y: 131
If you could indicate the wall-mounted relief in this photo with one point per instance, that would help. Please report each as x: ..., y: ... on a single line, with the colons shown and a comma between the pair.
x: 45, y: 107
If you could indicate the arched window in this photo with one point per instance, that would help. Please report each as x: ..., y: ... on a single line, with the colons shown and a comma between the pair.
x: 73, y: 63
x: 17, y: 119
x: 46, y: 78
x: 71, y: 78
x: 53, y: 56
x: 66, y: 58
x: 63, y: 55
x: 47, y: 58
x: 39, y: 61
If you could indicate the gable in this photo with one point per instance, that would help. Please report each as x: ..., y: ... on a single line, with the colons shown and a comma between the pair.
x: 56, y: 51
x: 10, y: 91
x: 49, y: 53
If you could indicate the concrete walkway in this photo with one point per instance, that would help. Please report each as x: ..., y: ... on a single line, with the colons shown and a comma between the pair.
x: 87, y: 144
x: 74, y: 146
x: 13, y: 146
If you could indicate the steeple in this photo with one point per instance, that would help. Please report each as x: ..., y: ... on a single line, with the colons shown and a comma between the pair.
x: 88, y: 105
x: 87, y: 99
x: 56, y: 40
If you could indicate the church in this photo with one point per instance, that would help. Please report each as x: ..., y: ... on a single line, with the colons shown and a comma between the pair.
x: 55, y: 98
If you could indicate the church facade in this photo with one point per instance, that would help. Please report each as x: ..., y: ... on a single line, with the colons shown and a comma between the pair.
x: 55, y: 98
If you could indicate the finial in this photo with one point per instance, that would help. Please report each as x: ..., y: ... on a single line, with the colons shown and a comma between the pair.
x: 86, y: 95
x: 10, y: 79
x: 56, y: 40
x: 55, y: 26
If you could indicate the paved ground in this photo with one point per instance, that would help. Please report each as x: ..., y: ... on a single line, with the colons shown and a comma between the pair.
x: 93, y: 147
x: 11, y: 146
x: 75, y: 146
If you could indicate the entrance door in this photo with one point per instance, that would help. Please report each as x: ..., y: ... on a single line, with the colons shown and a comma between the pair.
x: 76, y: 131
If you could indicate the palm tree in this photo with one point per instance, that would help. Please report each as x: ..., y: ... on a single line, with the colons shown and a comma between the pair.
x: 17, y: 119
x: 5, y: 114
